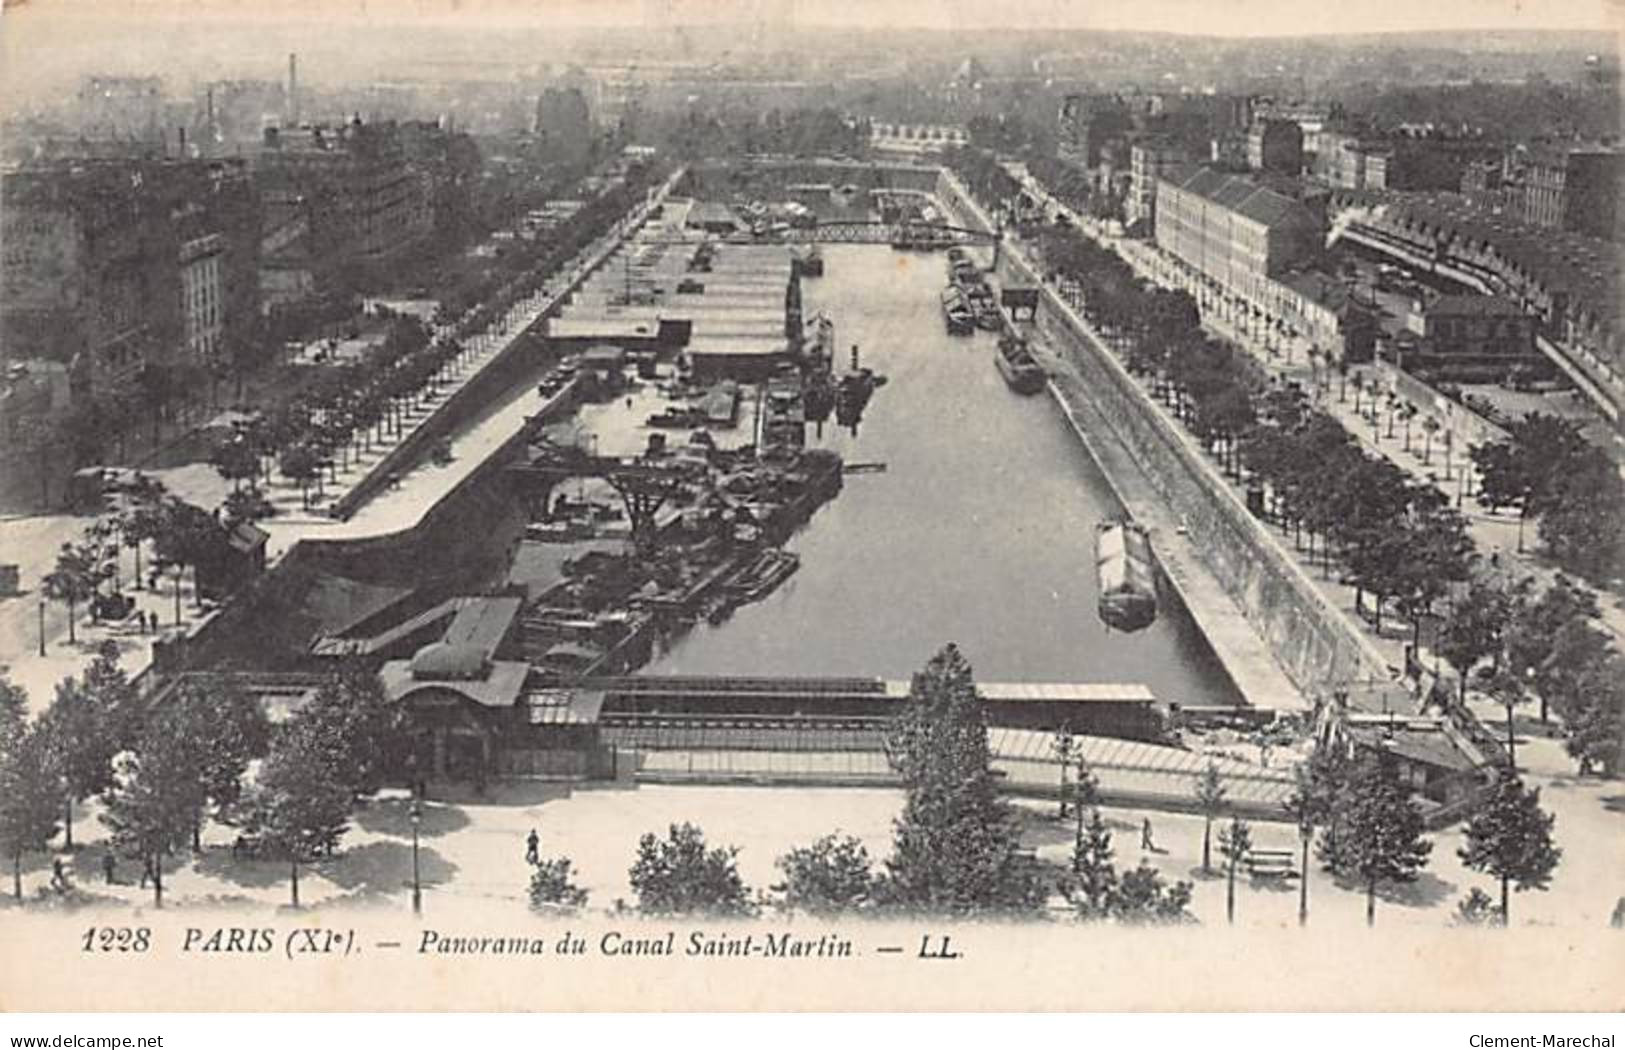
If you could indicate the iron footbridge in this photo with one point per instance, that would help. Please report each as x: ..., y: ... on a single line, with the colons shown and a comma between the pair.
x: 874, y: 231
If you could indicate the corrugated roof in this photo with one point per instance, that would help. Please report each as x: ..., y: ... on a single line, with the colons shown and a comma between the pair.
x: 483, y: 623
x: 1474, y: 306
x: 1050, y: 692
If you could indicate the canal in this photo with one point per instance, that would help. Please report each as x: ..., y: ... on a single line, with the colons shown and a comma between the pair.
x: 980, y: 530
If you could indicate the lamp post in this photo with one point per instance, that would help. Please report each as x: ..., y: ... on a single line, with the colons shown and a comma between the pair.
x: 417, y: 882
x: 42, y: 625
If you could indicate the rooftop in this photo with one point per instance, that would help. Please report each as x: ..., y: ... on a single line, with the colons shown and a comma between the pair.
x: 1473, y: 306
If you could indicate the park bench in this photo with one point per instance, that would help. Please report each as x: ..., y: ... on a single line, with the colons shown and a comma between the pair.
x: 1271, y: 864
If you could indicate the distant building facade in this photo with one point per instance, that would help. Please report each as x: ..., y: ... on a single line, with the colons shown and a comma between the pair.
x: 364, y: 204
x: 1467, y: 336
x: 1233, y: 230
x: 1275, y: 144
x: 563, y: 125
x: 1087, y: 123
x: 1149, y: 160
x: 111, y: 267
x: 1575, y: 190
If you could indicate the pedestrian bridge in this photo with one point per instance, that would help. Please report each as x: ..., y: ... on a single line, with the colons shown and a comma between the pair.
x: 898, y: 234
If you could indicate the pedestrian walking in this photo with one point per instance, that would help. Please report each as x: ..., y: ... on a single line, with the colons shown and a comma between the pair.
x: 59, y: 876
x: 533, y: 847
x: 148, y: 872
x: 109, y: 867
x: 1145, y: 837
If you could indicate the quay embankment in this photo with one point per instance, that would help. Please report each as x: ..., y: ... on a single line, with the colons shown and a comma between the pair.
x: 1310, y: 642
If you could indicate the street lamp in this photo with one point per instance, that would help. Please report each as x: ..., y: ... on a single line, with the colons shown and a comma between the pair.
x: 42, y: 624
x: 417, y: 882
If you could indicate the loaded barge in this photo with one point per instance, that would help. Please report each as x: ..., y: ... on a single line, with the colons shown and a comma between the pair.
x: 1126, y: 575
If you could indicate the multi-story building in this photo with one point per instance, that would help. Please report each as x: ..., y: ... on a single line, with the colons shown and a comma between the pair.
x: 1233, y: 230
x: 1470, y: 336
x: 111, y: 267
x: 364, y: 203
x: 1149, y: 159
x: 449, y: 164
x: 1311, y: 118
x: 563, y: 125
x: 1275, y: 144
x: 1087, y: 123
x: 1576, y: 190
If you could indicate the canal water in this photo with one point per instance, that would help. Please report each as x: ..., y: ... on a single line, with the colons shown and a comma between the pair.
x: 980, y: 530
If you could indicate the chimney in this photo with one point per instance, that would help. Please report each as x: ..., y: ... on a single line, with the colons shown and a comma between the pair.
x: 293, y: 90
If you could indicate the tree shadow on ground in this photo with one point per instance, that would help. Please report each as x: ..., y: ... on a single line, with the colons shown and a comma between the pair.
x: 252, y: 872
x: 1614, y: 803
x: 393, y: 817
x: 1426, y: 891
x: 1196, y: 874
x: 385, y: 868
x: 1269, y: 884
x: 516, y: 792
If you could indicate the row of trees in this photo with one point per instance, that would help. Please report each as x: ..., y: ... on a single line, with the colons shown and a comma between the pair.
x: 1516, y: 642
x: 1549, y: 471
x: 181, y: 536
x: 163, y: 774
x: 475, y: 302
x: 352, y: 406
x: 345, y: 410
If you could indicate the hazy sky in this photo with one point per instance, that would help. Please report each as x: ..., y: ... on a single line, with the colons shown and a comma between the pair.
x: 1223, y: 17
x: 47, y: 44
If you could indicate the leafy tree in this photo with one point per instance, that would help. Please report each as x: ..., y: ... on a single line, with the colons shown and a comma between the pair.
x: 74, y: 579
x: 1510, y: 837
x: 830, y: 876
x: 678, y: 875
x: 153, y: 801
x: 1594, y: 719
x: 1331, y: 770
x: 1235, y: 842
x: 362, y: 733
x: 225, y: 729
x: 1474, y: 627
x: 1094, y: 877
x: 1383, y: 830
x: 142, y: 517
x: 956, y: 846
x: 1583, y: 502
x: 1143, y: 898
x: 29, y: 796
x: 552, y: 886
x: 300, y: 807
x: 1210, y: 794
x: 86, y: 726
x: 236, y: 461
x: 1476, y: 909
x: 1508, y: 690
x: 1307, y: 810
